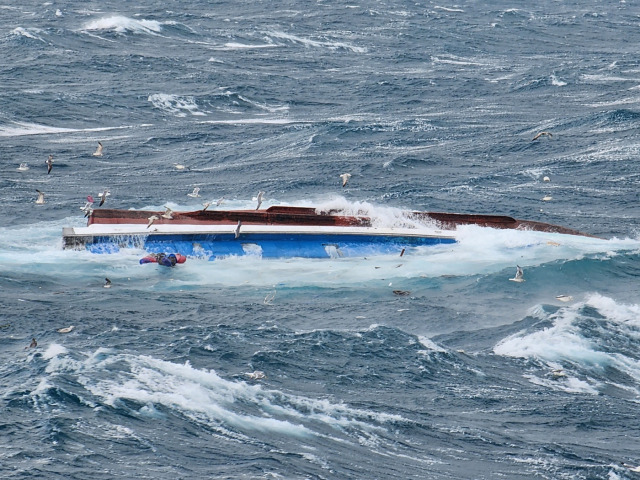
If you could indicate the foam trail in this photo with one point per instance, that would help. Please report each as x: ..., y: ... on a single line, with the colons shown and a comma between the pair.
x: 207, y: 398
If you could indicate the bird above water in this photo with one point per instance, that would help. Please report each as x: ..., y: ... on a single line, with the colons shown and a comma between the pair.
x: 519, y: 275
x: 98, y: 152
x: 103, y: 196
x: 345, y: 178
x: 542, y: 134
x: 259, y: 199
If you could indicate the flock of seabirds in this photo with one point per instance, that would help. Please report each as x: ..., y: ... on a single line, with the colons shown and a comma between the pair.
x: 168, y: 214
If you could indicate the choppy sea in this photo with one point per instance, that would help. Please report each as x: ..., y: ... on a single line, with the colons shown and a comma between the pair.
x: 430, y: 106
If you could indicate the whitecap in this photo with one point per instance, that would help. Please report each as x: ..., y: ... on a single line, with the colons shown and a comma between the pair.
x: 28, y: 33
x: 177, y: 105
x: 121, y: 24
x: 315, y: 43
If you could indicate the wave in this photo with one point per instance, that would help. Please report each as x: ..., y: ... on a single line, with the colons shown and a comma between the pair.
x: 177, y: 105
x: 585, y: 346
x: 18, y: 129
x: 225, y: 101
x: 143, y: 385
x: 30, y: 33
x: 315, y: 43
x: 121, y: 24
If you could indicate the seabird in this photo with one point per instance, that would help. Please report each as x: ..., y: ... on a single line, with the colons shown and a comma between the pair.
x: 631, y: 467
x: 65, y: 329
x: 152, y: 219
x: 98, y: 152
x: 546, y: 179
x: 519, y: 275
x: 401, y: 293
x: 168, y: 213
x: 564, y: 298
x: 49, y: 163
x: 180, y: 166
x: 33, y: 344
x: 541, y: 134
x: 345, y: 178
x: 107, y: 283
x: 257, y: 375
x: 40, y: 199
x: 259, y: 199
x: 546, y: 198
x: 23, y: 167
x: 195, y: 193
x: 237, y: 230
x: 269, y: 298
x: 219, y: 201
x: 87, y: 209
x: 103, y: 196
x: 205, y: 205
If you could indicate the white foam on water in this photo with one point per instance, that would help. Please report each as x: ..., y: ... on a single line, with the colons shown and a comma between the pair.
x: 176, y: 105
x: 565, y: 341
x: 207, y: 398
x: 31, y: 33
x: 122, y: 24
x: 37, y: 249
x: 307, y: 42
x: 54, y: 350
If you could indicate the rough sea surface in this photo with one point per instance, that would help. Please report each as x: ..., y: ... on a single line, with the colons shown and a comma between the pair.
x: 430, y: 106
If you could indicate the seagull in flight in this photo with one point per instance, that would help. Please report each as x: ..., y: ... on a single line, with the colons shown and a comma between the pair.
x: 87, y: 208
x: 49, y: 163
x: 98, y: 152
x: 205, y: 205
x: 259, y: 199
x: 564, y: 298
x: 152, y: 219
x: 168, y: 213
x: 219, y: 201
x: 519, y: 275
x: 268, y: 299
x: 541, y: 134
x: 40, y: 200
x: 345, y: 178
x: 103, y: 196
x: 195, y: 193
x: 237, y: 230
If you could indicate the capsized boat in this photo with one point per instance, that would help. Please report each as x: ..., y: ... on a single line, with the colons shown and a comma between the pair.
x: 277, y: 232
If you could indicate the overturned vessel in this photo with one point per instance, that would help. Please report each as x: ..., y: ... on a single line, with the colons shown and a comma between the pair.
x: 279, y: 231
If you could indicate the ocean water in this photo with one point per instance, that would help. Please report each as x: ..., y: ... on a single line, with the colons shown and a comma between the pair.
x: 430, y: 106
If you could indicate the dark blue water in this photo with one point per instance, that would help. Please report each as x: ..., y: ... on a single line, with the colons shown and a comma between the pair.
x: 430, y: 106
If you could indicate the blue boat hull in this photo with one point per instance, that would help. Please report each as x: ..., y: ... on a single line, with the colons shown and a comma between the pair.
x: 213, y: 246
